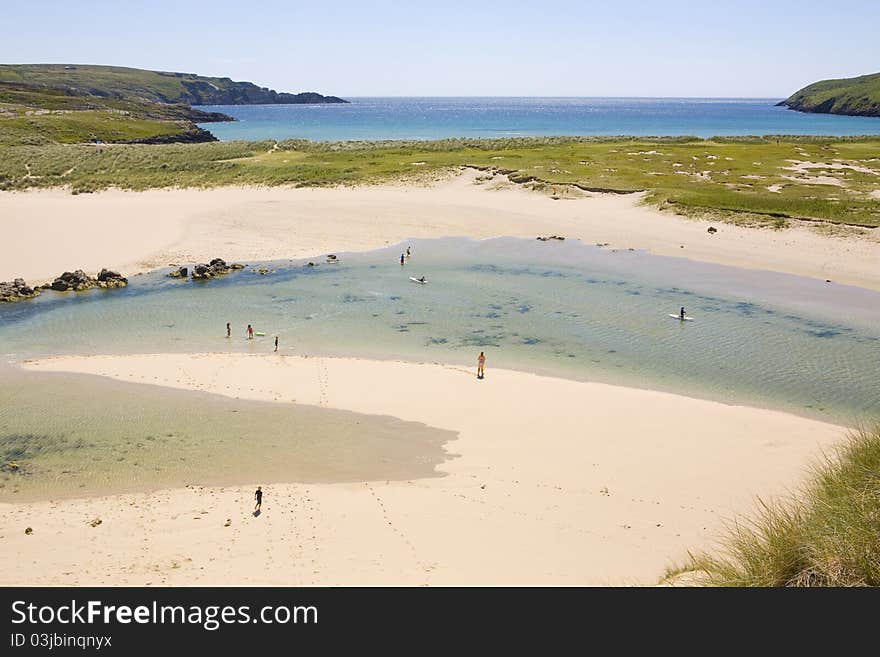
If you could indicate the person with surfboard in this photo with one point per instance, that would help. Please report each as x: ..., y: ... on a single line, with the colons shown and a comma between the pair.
x: 681, y: 316
x: 481, y: 366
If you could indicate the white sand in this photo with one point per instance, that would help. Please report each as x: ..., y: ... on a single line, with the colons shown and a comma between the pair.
x: 53, y: 231
x: 558, y: 482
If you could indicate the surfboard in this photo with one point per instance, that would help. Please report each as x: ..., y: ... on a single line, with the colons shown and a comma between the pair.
x: 259, y: 333
x: 416, y: 280
x: 678, y: 317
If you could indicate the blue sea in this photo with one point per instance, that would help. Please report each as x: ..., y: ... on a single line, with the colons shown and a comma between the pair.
x: 439, y: 118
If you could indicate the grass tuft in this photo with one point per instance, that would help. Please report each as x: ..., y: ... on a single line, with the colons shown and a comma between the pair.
x: 827, y: 534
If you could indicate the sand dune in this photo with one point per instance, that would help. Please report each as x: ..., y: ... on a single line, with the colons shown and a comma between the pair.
x: 138, y: 231
x: 557, y: 482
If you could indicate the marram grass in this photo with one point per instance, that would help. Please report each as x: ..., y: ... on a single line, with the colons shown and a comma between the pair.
x: 825, y: 534
x: 769, y: 180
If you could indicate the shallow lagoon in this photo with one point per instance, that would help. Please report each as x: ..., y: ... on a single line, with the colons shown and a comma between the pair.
x: 561, y: 308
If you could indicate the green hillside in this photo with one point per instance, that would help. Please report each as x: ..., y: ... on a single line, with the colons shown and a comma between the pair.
x: 853, y: 96
x: 66, y: 104
x: 153, y: 86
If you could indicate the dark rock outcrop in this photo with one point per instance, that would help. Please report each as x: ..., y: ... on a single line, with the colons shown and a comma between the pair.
x: 110, y: 278
x: 17, y: 290
x: 217, y: 267
x: 180, y: 272
x: 79, y: 281
x: 193, y: 135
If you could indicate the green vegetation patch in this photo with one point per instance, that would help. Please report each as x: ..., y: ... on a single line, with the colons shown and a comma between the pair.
x: 854, y: 96
x: 771, y: 180
x: 828, y: 534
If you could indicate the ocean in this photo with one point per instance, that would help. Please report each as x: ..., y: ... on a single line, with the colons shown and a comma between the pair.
x: 440, y: 118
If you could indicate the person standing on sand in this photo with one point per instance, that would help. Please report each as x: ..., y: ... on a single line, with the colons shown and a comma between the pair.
x: 228, y: 330
x: 276, y: 343
x: 481, y: 365
x: 258, y: 496
x: 250, y: 332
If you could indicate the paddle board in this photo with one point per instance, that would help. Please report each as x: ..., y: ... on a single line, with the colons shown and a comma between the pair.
x: 686, y: 319
x: 259, y: 333
x: 416, y: 280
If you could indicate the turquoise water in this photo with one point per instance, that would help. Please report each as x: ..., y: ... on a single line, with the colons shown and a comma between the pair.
x: 439, y: 118
x: 560, y: 308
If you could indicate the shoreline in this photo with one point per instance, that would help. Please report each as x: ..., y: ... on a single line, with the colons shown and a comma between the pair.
x: 554, y: 482
x: 146, y: 231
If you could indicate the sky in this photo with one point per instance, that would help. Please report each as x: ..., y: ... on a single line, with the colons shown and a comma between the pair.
x: 748, y: 48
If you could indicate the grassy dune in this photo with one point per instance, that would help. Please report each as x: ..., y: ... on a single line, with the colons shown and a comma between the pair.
x: 827, y: 534
x: 761, y: 179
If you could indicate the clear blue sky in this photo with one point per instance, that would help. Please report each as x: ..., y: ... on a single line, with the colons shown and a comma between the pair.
x: 752, y: 48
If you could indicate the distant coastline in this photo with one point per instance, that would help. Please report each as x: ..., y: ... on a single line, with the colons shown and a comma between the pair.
x: 848, y: 97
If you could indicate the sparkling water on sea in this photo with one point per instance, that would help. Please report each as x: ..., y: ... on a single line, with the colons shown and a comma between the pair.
x: 439, y: 118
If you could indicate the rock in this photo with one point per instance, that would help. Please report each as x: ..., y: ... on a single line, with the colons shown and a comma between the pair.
x: 109, y: 278
x: 73, y: 280
x: 17, y: 290
x: 28, y: 531
x: 182, y: 272
x: 202, y: 271
x: 712, y: 230
x: 79, y: 281
x: 95, y: 522
x: 217, y: 267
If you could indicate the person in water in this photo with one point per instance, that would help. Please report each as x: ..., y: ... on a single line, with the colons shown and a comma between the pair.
x: 250, y: 332
x: 401, y: 259
x: 276, y: 343
x: 228, y: 330
x: 408, y: 253
x: 681, y: 313
x: 481, y: 365
x: 258, y: 496
x: 422, y: 279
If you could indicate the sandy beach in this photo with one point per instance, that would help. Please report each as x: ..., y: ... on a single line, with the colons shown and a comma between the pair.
x: 140, y: 231
x: 554, y: 482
